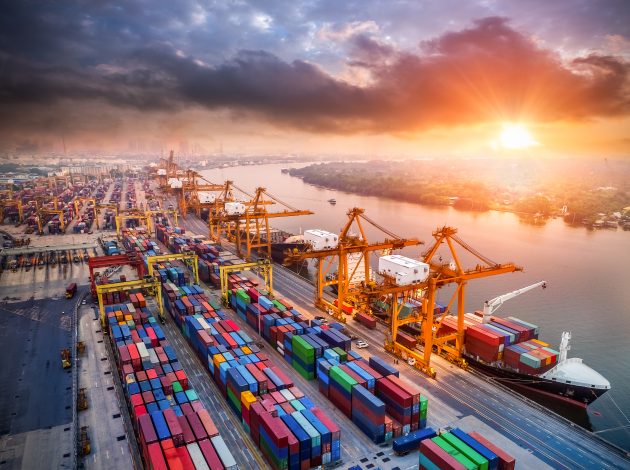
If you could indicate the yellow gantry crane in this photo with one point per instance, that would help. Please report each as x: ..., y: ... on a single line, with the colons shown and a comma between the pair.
x: 189, y: 196
x: 441, y: 274
x: 131, y: 216
x: 348, y: 244
x: 151, y: 285
x: 104, y: 206
x: 40, y: 219
x: 190, y: 259
x: 5, y: 203
x: 152, y: 214
x: 252, y: 218
x: 263, y: 267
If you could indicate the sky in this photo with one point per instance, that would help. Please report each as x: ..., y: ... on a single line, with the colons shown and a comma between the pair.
x: 400, y: 77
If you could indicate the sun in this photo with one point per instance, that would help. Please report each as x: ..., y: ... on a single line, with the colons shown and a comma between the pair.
x: 516, y: 136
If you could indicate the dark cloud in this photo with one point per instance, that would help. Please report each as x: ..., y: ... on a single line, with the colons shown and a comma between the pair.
x: 484, y: 73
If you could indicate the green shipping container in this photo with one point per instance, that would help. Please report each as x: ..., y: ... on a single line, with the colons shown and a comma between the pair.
x: 457, y: 455
x: 177, y: 387
x: 343, y: 356
x: 468, y: 451
x: 192, y: 395
x: 279, y: 306
x: 342, y: 379
x: 297, y: 405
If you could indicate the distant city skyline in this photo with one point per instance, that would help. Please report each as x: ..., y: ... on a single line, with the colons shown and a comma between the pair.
x: 409, y: 78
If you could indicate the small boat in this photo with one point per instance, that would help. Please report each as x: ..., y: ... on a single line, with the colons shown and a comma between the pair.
x: 333, y: 201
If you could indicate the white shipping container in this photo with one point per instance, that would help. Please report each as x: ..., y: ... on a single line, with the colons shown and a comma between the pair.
x: 142, y: 351
x: 197, y: 456
x: 206, y: 197
x: 321, y: 240
x: 404, y: 270
x: 174, y: 183
x: 223, y: 452
x: 234, y: 208
x: 161, y: 172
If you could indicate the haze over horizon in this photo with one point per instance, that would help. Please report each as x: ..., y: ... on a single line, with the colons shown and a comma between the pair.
x: 416, y: 78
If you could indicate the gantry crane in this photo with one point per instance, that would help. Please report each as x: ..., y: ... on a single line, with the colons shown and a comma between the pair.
x: 151, y: 284
x: 40, y: 218
x: 11, y: 203
x: 188, y: 195
x: 263, y: 268
x: 167, y: 169
x: 190, y: 259
x: 348, y: 244
x: 126, y: 259
x: 253, y: 220
x: 54, y: 180
x: 441, y: 275
x: 131, y: 215
x: 151, y: 214
x: 84, y: 200
x: 104, y: 206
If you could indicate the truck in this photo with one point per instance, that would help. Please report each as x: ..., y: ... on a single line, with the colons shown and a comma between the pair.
x: 71, y: 290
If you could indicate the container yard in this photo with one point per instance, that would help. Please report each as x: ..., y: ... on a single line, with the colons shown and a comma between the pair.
x: 171, y: 350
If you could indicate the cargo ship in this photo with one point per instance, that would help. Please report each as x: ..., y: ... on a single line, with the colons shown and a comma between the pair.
x: 508, y: 350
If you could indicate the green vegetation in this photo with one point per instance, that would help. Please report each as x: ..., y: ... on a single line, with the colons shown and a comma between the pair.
x: 383, y: 180
x: 530, y: 187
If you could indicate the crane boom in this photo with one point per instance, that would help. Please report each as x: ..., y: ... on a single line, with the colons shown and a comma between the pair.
x: 490, y: 306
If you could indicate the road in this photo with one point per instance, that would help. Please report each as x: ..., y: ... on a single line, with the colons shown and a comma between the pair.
x: 457, y: 393
x: 104, y: 416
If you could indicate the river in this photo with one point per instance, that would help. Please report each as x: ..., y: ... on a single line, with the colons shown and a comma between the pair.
x: 588, y: 272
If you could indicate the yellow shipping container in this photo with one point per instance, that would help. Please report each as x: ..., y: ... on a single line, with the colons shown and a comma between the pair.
x: 217, y: 359
x: 541, y: 343
x: 247, y: 398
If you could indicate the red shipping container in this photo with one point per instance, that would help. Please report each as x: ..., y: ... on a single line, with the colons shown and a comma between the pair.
x: 387, y: 388
x: 369, y: 370
x: 189, y: 436
x: 155, y: 458
x: 212, y: 459
x: 406, y: 340
x: 407, y: 387
x: 366, y: 320
x: 167, y: 386
x: 233, y: 326
x: 136, y: 399
x: 147, y: 397
x: 439, y: 456
x: 523, y: 332
x: 485, y: 336
x: 360, y: 380
x: 506, y: 461
x: 278, y: 397
x: 182, y: 379
x: 175, y: 428
x: 196, y: 426
x: 197, y: 405
x: 139, y: 411
x: 147, y: 431
x: 208, y: 424
x: 184, y: 457
x: 288, y: 383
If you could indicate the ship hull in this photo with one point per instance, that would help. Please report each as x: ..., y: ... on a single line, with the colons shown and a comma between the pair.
x: 575, y: 395
x: 278, y: 250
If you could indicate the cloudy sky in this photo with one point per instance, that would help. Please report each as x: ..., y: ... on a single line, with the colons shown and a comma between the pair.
x: 405, y: 77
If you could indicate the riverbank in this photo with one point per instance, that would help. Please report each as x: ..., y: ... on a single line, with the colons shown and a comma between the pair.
x: 534, y: 200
